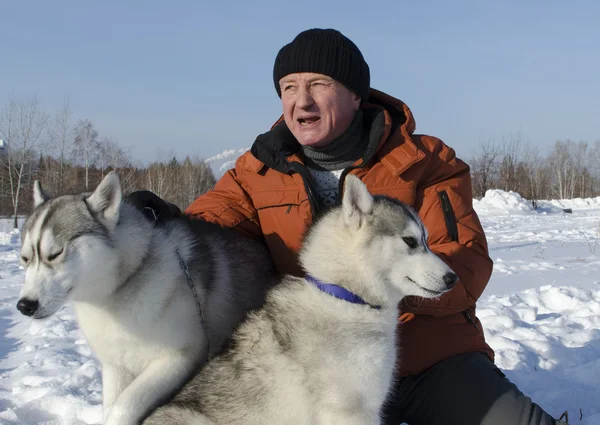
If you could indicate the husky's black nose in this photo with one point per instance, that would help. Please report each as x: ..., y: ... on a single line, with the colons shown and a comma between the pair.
x: 27, y: 306
x: 450, y: 279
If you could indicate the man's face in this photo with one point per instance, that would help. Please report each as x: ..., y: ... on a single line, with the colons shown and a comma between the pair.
x: 316, y: 108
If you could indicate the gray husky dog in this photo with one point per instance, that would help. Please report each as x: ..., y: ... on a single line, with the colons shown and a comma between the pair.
x: 154, y: 302
x: 322, y: 349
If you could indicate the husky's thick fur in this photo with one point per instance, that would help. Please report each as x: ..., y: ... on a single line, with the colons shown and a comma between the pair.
x: 308, y: 357
x: 130, y: 285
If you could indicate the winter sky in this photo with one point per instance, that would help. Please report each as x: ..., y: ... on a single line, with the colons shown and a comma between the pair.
x: 194, y: 77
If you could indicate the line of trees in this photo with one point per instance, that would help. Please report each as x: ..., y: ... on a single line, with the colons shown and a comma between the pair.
x: 69, y: 156
x: 570, y: 170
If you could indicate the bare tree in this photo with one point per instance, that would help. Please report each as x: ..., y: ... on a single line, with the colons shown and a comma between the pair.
x: 59, y: 142
x: 21, y: 126
x: 86, y: 143
x: 179, y: 182
x: 196, y: 178
x: 562, y: 165
x: 4, y: 187
x: 112, y: 155
x: 157, y: 175
x: 593, y: 161
x: 510, y: 163
x: 118, y: 158
x: 580, y: 175
x: 103, y: 154
x: 7, y: 130
x: 536, y: 175
x: 484, y: 167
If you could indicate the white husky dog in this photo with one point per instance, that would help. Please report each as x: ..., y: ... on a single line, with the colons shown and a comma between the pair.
x: 322, y: 349
x: 152, y: 301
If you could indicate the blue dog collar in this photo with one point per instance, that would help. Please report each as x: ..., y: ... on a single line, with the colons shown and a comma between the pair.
x: 338, y: 292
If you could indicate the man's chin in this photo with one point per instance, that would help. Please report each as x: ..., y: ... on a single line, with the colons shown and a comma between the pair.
x: 311, y: 139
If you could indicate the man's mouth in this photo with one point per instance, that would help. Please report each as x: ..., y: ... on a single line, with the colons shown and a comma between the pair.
x: 308, y: 121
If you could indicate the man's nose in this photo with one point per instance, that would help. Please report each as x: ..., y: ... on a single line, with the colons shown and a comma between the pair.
x: 304, y: 99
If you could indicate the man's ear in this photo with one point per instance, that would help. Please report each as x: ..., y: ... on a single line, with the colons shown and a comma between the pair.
x: 356, y: 100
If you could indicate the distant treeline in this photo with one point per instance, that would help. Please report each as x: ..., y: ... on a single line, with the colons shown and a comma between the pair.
x: 570, y: 170
x: 70, y: 157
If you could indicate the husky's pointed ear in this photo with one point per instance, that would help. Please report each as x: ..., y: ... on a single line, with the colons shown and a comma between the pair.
x: 106, y: 200
x: 357, y: 202
x: 39, y: 196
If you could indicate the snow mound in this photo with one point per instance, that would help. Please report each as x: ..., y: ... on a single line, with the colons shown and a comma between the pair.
x: 498, y: 201
x: 576, y: 203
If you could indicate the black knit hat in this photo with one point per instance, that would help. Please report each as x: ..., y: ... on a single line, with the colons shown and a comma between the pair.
x: 324, y: 51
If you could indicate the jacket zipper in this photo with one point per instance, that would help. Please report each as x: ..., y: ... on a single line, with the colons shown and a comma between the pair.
x: 449, y: 216
x: 470, y: 318
x: 306, y: 179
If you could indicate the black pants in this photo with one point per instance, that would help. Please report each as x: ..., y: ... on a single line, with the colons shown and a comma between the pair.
x: 464, y: 390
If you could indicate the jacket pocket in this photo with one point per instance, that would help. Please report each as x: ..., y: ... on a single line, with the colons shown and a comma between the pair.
x: 449, y: 216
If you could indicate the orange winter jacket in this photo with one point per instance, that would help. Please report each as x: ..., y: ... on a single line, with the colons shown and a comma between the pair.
x: 269, y: 194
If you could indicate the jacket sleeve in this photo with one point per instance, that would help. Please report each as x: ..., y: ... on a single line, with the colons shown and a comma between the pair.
x: 445, y: 204
x: 228, y: 205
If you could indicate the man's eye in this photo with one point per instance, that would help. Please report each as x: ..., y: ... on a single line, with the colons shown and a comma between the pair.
x: 410, y: 241
x: 55, y: 255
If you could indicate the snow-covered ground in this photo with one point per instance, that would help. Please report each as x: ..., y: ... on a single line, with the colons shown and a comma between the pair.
x: 541, y: 313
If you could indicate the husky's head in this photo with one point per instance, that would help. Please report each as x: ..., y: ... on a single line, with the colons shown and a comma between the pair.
x: 376, y: 247
x: 66, y: 247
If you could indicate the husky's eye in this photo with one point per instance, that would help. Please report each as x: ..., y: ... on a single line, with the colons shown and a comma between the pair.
x: 24, y: 259
x: 54, y: 256
x: 410, y: 241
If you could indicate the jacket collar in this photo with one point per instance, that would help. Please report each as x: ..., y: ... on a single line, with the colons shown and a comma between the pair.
x: 396, y: 150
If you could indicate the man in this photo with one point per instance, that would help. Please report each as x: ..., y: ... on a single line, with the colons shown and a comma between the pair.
x: 334, y: 124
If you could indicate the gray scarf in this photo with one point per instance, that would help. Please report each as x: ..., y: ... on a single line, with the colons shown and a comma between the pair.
x: 341, y: 152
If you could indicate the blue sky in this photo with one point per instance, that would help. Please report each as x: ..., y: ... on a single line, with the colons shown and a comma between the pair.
x: 195, y: 77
